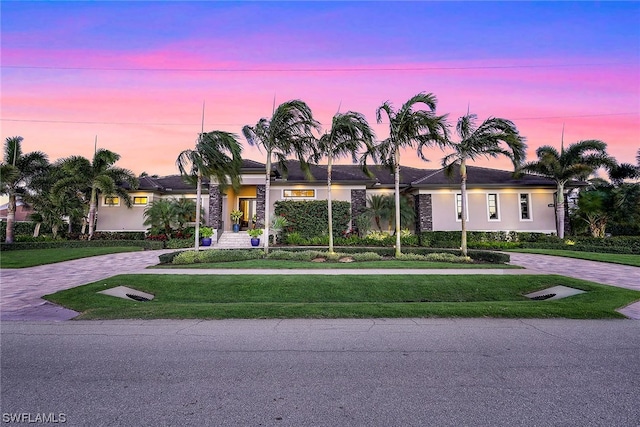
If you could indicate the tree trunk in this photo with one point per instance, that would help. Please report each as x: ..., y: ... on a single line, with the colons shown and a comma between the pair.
x: 11, y: 219
x: 397, y: 200
x: 92, y: 211
x: 36, y: 229
x: 463, y: 206
x: 267, y: 188
x: 198, y: 204
x: 560, y: 210
x: 329, y: 205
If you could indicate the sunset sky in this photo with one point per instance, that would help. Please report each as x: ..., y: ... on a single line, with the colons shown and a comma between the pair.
x: 136, y: 74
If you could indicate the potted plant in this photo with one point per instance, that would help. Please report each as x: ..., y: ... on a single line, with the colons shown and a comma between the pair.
x: 255, y: 233
x: 205, y: 234
x: 235, y: 217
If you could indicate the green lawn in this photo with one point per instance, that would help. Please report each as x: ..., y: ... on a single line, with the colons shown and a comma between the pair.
x: 300, y: 296
x: 33, y: 257
x: 288, y: 264
x: 626, y: 259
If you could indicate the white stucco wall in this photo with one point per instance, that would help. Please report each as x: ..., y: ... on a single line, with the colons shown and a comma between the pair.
x: 121, y: 218
x: 542, y: 215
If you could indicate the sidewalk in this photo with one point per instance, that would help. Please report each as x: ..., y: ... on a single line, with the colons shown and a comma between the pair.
x: 21, y: 290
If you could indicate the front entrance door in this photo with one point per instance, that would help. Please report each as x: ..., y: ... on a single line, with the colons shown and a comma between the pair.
x: 248, y: 208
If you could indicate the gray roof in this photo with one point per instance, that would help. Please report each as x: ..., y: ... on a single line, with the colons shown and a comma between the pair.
x: 353, y: 174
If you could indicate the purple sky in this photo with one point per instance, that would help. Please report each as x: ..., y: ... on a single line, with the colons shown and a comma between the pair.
x: 136, y: 73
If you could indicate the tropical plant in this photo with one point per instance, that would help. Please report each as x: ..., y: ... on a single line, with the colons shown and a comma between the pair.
x: 17, y: 171
x: 98, y: 176
x: 236, y: 215
x: 409, y: 127
x: 407, y: 211
x: 206, y: 232
x: 379, y: 209
x: 348, y: 134
x: 255, y: 232
x: 287, y: 133
x: 578, y: 161
x: 278, y: 223
x: 494, y: 137
x: 218, y: 155
x: 161, y: 215
x: 185, y: 211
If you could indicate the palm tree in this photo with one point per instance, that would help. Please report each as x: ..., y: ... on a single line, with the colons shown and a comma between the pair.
x: 379, y: 208
x: 287, y: 133
x: 217, y: 155
x: 408, y: 128
x: 578, y: 161
x: 348, y: 133
x: 494, y: 137
x: 160, y: 215
x: 98, y: 176
x: 17, y: 170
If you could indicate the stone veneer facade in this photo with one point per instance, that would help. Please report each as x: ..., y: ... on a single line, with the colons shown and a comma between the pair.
x: 358, y: 202
x: 215, y: 207
x: 424, y: 213
x: 260, y: 209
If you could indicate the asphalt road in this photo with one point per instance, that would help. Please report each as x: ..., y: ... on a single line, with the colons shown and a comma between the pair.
x: 399, y: 372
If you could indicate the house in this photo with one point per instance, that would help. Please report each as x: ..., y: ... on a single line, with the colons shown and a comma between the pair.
x: 23, y: 211
x: 496, y: 200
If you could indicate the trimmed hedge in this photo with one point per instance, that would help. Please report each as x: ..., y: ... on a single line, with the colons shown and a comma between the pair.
x: 477, y: 255
x: 80, y: 244
x: 310, y: 218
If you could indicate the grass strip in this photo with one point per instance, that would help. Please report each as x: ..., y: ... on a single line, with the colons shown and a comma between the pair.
x: 33, y: 257
x: 624, y: 259
x: 301, y: 296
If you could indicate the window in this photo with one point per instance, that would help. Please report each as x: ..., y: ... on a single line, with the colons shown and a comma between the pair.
x: 492, y: 205
x: 299, y: 194
x: 140, y: 200
x: 459, y: 208
x: 525, y: 206
x: 111, y: 201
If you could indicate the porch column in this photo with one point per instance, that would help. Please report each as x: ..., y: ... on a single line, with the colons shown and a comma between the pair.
x: 424, y: 212
x: 215, y: 207
x: 260, y: 208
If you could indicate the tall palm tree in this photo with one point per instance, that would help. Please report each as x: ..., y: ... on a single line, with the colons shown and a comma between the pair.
x: 17, y: 170
x: 217, y: 155
x: 287, y: 133
x: 494, y: 137
x: 348, y: 134
x: 409, y: 127
x: 98, y: 176
x: 578, y: 161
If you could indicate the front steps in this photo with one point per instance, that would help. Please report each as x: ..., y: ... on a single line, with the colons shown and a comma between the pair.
x: 231, y: 240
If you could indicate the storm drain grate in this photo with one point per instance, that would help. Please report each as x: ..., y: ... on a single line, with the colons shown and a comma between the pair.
x: 127, y: 293
x: 556, y: 292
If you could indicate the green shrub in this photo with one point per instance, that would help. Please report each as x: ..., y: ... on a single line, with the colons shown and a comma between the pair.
x: 310, y: 217
x: 179, y: 243
x: 185, y: 257
x: 365, y: 256
x: 168, y: 258
x: 446, y: 257
x: 295, y: 238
